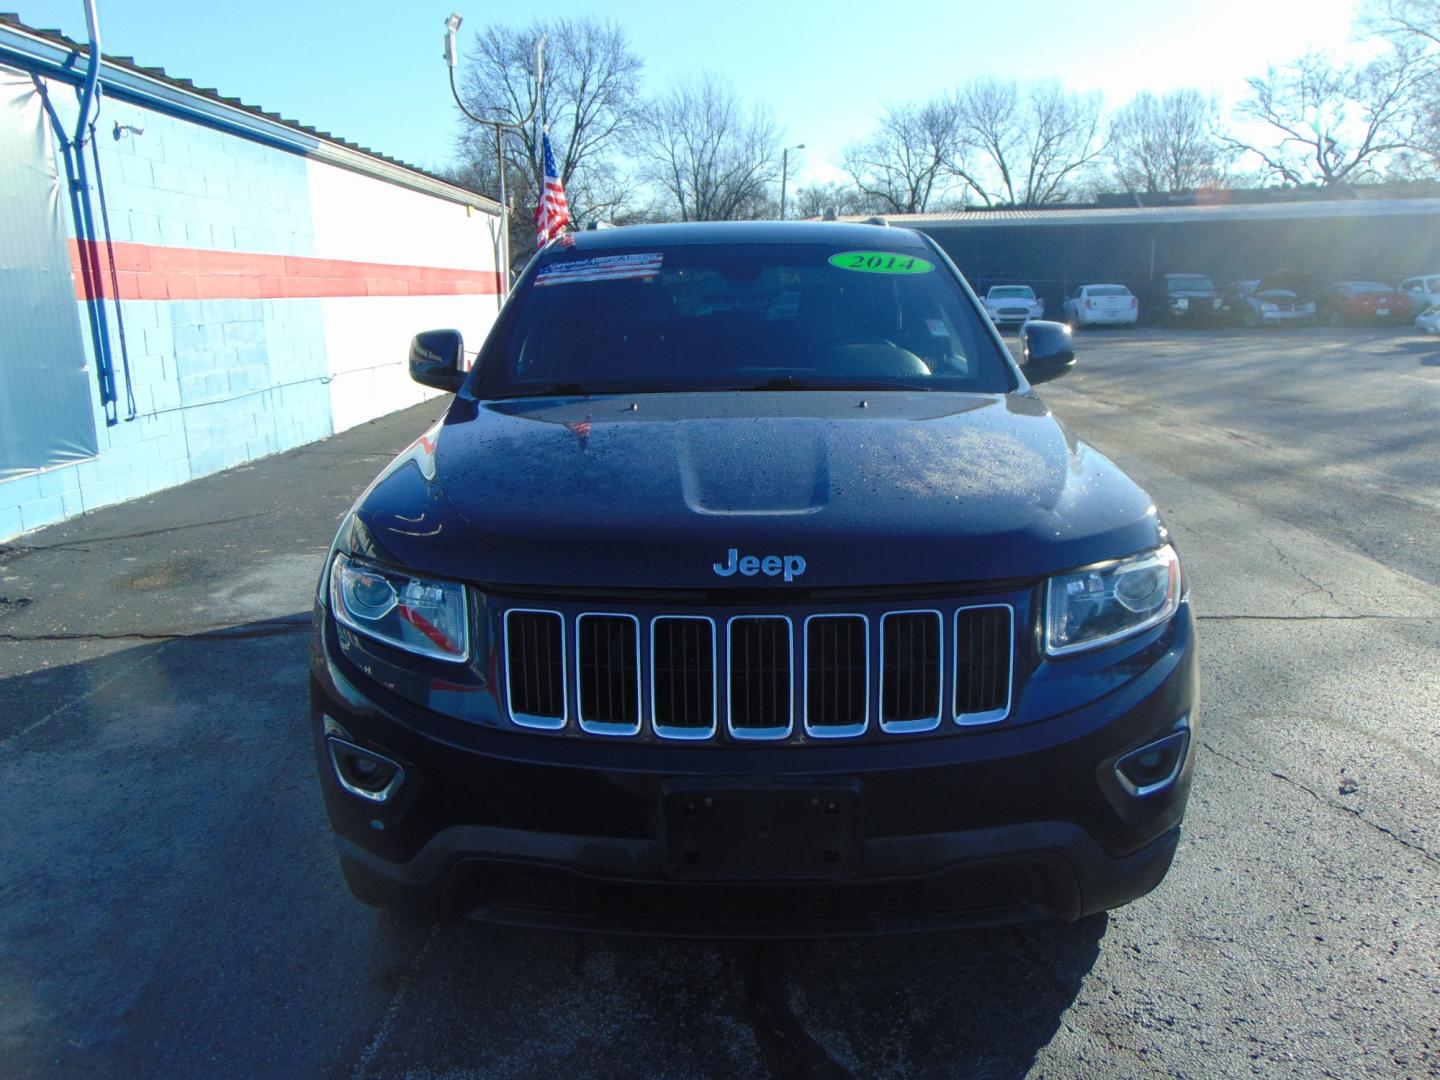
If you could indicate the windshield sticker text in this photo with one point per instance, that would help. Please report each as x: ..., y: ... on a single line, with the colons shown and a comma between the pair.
x: 600, y: 268
x: 880, y: 262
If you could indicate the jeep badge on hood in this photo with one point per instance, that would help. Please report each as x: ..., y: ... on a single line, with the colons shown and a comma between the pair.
x: 792, y: 566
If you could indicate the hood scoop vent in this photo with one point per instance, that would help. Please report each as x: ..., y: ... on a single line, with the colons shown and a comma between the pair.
x: 737, y: 468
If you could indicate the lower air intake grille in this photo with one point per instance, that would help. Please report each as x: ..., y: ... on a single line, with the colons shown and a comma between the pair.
x: 609, y: 671
x: 910, y: 676
x: 837, y: 670
x: 682, y: 659
x: 982, y: 663
x: 760, y: 682
x: 535, y: 674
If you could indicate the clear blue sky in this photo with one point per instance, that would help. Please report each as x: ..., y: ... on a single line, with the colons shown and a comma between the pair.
x: 371, y: 71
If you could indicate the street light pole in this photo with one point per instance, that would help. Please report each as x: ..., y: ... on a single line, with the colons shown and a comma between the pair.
x: 784, y: 173
x: 452, y: 29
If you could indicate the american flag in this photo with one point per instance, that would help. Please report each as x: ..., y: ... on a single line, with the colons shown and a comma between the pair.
x: 553, y: 213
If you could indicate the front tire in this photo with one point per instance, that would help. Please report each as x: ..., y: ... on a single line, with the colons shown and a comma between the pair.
x: 1249, y: 320
x: 1332, y: 316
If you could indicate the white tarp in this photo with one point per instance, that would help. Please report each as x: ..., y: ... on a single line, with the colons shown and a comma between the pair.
x: 45, y: 413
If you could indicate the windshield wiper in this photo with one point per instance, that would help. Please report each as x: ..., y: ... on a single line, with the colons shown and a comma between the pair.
x: 568, y: 389
x: 789, y: 382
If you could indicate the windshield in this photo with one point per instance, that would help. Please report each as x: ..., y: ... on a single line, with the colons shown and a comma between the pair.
x: 740, y: 316
x: 1367, y: 286
x: 1012, y: 292
x: 1107, y: 290
x: 1189, y: 283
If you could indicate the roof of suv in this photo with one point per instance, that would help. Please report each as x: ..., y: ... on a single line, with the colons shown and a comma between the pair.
x: 748, y: 232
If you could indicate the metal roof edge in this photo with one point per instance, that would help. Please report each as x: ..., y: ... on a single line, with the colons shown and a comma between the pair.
x: 1168, y: 215
x: 57, y: 57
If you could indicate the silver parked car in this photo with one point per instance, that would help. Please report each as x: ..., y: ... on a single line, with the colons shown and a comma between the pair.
x: 1423, y: 291
x: 1102, y: 305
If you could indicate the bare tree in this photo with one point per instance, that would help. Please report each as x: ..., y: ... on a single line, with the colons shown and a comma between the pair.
x: 906, y: 164
x: 816, y: 200
x: 712, y: 158
x: 1025, y: 147
x: 1330, y: 123
x: 1413, y: 29
x: 591, y: 101
x: 1168, y: 143
x: 1408, y: 22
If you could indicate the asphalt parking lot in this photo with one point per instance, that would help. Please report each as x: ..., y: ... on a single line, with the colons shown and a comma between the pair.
x: 171, y: 903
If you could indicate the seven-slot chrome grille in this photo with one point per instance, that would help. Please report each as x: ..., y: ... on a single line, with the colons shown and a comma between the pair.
x: 758, y: 676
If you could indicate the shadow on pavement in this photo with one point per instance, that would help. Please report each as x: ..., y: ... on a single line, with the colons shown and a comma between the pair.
x: 172, y: 905
x: 491, y: 1001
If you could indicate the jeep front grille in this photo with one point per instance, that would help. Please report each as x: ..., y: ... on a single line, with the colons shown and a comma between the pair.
x: 535, y: 667
x: 608, y: 669
x: 675, y: 675
x: 682, y: 676
x: 982, y: 663
x: 910, y: 648
x: 761, y: 685
x: 837, y: 674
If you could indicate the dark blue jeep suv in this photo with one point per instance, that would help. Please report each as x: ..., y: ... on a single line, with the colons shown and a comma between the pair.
x: 747, y: 587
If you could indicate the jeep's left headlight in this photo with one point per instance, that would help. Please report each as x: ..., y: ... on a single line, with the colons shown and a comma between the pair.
x: 1090, y: 608
x: 418, y: 615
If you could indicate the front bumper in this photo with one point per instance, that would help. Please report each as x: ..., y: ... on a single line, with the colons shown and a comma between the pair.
x: 982, y: 826
x: 1286, y: 316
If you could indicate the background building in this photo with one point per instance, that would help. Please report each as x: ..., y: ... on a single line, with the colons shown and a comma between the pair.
x: 1056, y: 250
x: 195, y: 283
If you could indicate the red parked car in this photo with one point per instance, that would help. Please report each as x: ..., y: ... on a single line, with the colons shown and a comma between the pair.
x: 1362, y: 301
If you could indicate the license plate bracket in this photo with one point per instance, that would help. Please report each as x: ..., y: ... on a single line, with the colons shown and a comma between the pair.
x: 777, y: 831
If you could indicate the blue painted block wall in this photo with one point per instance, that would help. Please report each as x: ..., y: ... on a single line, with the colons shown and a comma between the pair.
x: 216, y: 382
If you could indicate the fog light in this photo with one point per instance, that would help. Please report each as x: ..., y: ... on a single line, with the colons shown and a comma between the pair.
x: 364, y: 773
x: 1155, y: 766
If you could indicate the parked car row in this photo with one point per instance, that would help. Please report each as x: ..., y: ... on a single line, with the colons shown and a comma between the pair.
x: 1179, y: 299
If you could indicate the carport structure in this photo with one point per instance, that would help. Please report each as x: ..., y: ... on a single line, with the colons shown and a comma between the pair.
x: 1056, y: 250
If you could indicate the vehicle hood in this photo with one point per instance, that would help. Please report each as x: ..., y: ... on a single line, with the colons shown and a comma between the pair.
x: 652, y: 491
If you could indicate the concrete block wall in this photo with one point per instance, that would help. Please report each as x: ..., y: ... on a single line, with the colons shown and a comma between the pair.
x: 267, y: 300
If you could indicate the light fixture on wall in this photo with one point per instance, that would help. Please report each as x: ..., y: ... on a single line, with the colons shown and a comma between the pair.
x: 121, y: 130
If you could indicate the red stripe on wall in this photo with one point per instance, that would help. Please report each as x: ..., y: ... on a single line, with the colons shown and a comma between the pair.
x: 147, y: 272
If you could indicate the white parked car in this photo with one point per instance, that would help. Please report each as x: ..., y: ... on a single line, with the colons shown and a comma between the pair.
x: 1423, y: 291
x: 1011, y: 305
x: 1102, y: 305
x: 1429, y: 323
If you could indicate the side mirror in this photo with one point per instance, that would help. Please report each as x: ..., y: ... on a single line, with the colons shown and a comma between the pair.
x: 437, y: 359
x: 1047, y: 350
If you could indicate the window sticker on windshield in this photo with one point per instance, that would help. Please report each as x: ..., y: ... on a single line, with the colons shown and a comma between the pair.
x: 601, y: 268
x: 880, y: 262
x: 936, y: 328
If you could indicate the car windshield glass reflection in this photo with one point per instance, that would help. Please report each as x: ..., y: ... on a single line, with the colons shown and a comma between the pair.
x: 725, y: 317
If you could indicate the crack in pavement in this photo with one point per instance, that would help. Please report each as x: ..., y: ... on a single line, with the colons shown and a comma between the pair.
x: 19, y: 551
x: 1358, y: 815
x: 1220, y: 617
x: 397, y: 1002
x: 786, y: 1047
x: 217, y: 632
x: 1283, y: 557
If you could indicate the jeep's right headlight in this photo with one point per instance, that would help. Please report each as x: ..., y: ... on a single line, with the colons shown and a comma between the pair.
x: 419, y: 615
x: 1090, y: 608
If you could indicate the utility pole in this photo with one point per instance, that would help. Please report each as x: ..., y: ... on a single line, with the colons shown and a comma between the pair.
x: 784, y: 173
x: 452, y: 30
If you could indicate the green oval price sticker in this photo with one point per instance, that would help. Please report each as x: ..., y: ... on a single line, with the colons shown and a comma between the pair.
x: 880, y: 262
